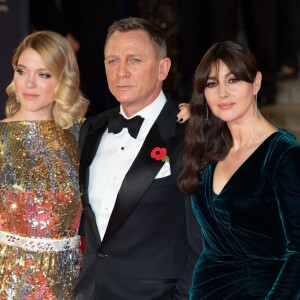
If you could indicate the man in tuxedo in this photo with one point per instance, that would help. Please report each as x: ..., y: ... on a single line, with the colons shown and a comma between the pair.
x: 142, y: 239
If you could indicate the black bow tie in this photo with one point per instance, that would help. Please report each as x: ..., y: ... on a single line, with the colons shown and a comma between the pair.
x: 117, y: 122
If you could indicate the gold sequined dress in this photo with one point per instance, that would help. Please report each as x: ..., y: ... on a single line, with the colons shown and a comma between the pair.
x: 40, y: 203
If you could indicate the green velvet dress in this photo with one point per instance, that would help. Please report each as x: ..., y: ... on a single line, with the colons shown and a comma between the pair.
x: 251, y: 230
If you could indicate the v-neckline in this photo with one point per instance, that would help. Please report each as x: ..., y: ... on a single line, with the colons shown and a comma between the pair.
x: 238, y: 169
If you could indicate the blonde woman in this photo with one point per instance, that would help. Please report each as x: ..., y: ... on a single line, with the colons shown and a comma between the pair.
x: 39, y: 190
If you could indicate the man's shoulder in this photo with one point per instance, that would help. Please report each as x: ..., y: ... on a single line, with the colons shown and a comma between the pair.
x: 167, y: 120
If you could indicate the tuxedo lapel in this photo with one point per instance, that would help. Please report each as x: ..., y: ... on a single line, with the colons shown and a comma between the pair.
x: 87, y: 155
x: 91, y: 143
x: 93, y: 136
x: 143, y: 170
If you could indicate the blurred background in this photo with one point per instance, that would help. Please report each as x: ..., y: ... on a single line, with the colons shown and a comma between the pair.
x: 271, y: 28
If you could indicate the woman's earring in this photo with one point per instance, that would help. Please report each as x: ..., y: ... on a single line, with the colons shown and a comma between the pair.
x: 256, y: 112
x: 206, y: 112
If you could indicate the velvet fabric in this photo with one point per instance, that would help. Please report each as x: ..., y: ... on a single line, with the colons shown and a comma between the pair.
x: 251, y: 229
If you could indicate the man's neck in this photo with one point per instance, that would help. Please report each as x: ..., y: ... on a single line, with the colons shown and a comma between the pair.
x: 132, y: 108
x: 127, y: 111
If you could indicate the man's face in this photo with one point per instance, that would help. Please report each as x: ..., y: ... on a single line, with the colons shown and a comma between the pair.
x: 134, y: 72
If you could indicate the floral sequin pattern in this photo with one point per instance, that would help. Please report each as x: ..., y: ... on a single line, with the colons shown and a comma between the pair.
x: 39, y: 199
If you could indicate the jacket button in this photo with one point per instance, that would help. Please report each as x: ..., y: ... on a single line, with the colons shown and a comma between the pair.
x: 102, y: 256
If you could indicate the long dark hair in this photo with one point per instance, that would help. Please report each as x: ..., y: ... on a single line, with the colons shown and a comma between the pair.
x: 208, y: 138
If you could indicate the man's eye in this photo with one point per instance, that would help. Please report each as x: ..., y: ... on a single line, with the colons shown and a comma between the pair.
x: 111, y: 61
x: 135, y: 60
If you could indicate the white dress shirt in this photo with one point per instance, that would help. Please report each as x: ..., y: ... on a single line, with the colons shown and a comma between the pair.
x: 112, y: 161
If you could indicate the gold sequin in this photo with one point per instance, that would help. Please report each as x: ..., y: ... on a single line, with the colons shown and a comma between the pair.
x: 39, y: 198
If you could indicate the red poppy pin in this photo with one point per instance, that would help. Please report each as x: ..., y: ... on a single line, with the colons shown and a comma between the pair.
x: 160, y: 154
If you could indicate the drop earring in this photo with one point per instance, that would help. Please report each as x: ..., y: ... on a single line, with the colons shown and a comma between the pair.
x: 206, y: 112
x: 255, y: 113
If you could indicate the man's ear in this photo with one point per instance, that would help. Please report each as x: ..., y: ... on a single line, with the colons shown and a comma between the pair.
x: 164, y: 68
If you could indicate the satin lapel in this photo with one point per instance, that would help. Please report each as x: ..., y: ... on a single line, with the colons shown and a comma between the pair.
x: 143, y: 170
x: 91, y: 137
x: 91, y: 145
x: 137, y: 180
x: 88, y: 153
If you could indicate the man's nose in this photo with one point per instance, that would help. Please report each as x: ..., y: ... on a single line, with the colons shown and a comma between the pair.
x: 122, y: 69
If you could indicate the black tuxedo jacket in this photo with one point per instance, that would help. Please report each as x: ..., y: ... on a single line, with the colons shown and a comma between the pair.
x: 152, y: 240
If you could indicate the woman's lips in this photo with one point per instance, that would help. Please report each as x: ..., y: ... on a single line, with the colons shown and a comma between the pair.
x: 226, y: 106
x: 30, y: 96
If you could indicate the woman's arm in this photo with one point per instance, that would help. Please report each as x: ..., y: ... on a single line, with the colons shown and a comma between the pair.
x: 287, y: 187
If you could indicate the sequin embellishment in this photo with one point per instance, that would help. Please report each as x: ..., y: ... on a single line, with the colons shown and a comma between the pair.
x: 39, y: 200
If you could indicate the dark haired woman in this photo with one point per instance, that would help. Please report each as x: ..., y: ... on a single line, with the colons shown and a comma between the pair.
x: 244, y: 174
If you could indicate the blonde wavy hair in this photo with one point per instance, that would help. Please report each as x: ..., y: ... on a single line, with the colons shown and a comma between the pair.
x: 69, y: 103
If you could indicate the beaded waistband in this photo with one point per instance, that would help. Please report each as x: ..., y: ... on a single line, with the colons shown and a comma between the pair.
x: 36, y: 244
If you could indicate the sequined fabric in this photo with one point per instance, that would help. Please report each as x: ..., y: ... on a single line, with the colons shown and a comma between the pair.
x: 39, y: 198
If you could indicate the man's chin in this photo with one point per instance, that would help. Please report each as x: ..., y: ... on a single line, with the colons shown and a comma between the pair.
x: 123, y: 99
